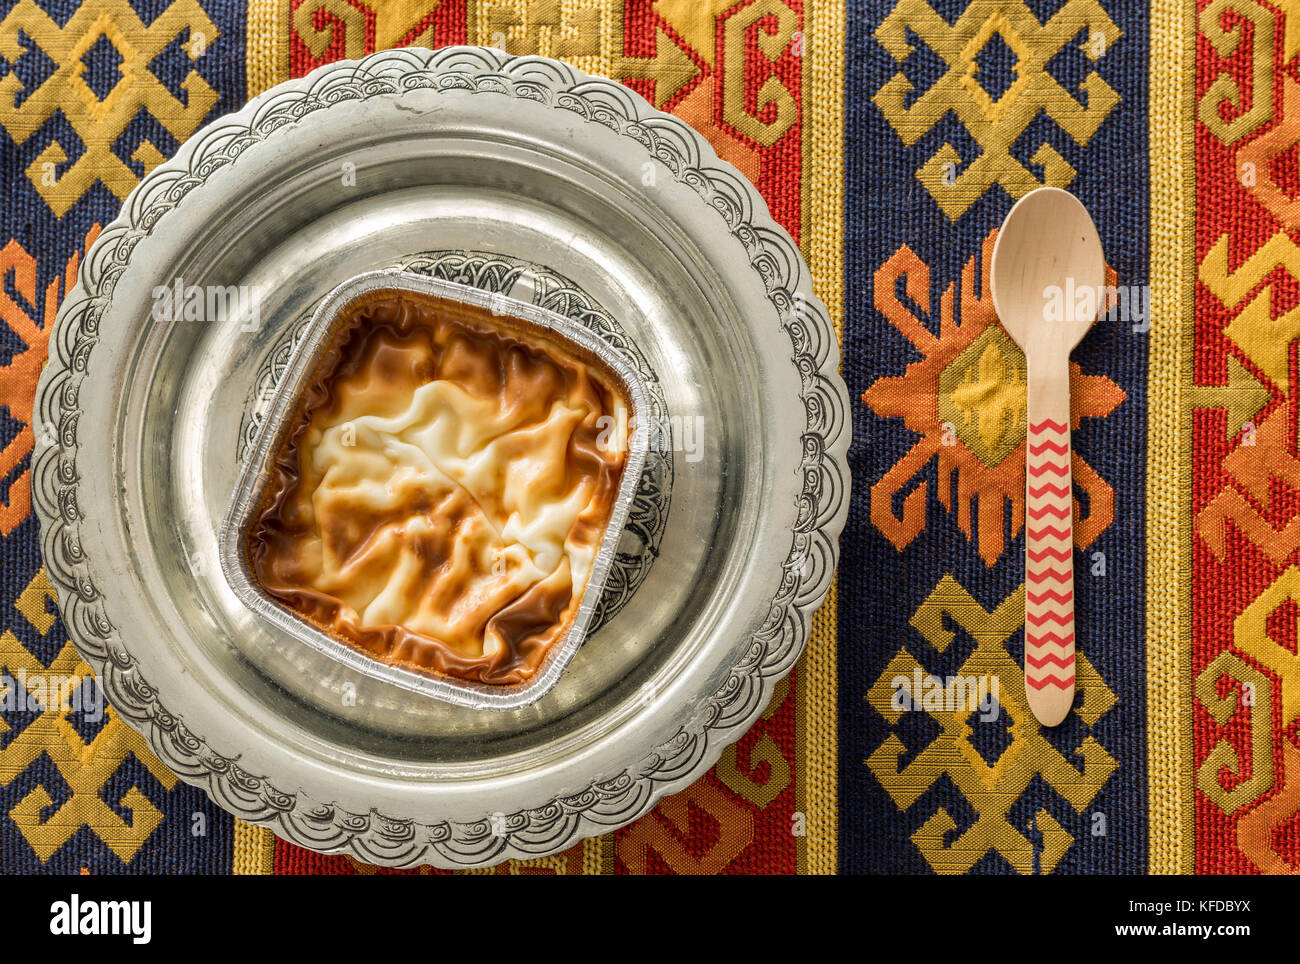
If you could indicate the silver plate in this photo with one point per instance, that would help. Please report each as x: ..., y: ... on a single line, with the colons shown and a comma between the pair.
x: 366, y: 164
x: 287, y: 390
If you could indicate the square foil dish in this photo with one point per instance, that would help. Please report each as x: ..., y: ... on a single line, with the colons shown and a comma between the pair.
x: 290, y: 416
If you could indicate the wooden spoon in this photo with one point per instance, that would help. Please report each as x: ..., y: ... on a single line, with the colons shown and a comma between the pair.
x: 1047, y: 280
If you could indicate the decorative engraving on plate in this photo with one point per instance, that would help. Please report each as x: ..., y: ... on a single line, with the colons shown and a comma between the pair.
x: 548, y: 289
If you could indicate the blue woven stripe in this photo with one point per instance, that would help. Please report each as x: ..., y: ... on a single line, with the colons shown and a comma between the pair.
x: 881, y: 587
x: 29, y: 221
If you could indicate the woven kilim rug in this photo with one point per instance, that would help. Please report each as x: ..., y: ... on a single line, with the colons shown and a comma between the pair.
x: 890, y: 138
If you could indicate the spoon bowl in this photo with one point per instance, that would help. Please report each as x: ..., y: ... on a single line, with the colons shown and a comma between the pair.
x: 1048, y: 272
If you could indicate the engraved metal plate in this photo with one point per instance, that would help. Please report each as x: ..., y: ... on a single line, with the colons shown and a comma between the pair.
x: 367, y: 164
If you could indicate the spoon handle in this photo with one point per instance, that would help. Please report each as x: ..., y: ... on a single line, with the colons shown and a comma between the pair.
x: 1049, y: 543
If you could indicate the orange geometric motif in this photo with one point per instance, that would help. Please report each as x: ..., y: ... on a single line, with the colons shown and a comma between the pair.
x: 18, y: 378
x: 673, y: 834
x: 1255, y: 468
x: 1258, y: 831
x: 1262, y: 153
x: 966, y: 400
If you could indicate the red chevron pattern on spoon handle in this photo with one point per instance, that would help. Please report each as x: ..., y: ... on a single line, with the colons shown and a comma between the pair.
x: 1047, y: 253
x: 1049, y: 552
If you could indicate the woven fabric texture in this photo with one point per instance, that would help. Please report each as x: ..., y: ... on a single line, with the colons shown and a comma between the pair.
x: 890, y: 138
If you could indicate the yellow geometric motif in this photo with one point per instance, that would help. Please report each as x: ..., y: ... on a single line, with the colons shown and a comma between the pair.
x: 1242, y: 398
x: 98, y: 122
x: 1224, y: 91
x: 741, y: 780
x: 771, y: 93
x: 1222, y: 708
x: 589, y: 34
x: 550, y: 28
x: 1291, y: 28
x: 1265, y: 340
x: 995, y: 124
x: 85, y: 767
x: 982, y: 395
x: 1251, y: 636
x: 584, y: 858
x: 694, y: 76
x: 1230, y: 685
x: 394, y: 25
x: 559, y: 865
x: 990, y: 788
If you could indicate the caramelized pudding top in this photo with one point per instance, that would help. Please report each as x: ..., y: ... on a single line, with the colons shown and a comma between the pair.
x: 439, y: 495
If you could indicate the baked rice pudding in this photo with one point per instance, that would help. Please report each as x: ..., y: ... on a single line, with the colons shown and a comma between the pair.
x: 440, y: 492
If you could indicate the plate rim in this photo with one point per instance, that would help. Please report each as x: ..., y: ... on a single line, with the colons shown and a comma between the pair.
x: 806, y: 573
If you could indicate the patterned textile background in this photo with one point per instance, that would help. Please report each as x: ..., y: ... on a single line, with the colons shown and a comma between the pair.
x: 890, y: 137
